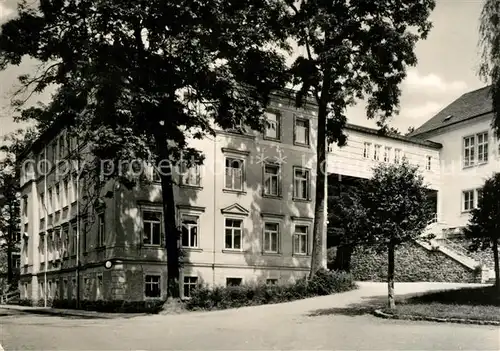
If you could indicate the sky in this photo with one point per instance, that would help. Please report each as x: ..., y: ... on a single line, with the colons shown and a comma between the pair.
x: 447, y: 67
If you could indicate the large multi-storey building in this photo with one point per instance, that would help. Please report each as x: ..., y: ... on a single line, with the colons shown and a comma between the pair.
x: 246, y: 214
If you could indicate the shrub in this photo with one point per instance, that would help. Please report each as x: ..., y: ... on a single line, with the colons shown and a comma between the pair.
x: 324, y: 283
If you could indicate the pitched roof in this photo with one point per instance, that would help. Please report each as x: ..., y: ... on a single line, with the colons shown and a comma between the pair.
x: 470, y: 105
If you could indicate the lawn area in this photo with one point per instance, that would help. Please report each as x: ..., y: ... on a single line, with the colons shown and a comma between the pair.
x: 481, y: 303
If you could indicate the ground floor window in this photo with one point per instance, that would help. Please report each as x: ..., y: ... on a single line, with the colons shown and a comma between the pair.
x: 233, y: 281
x: 190, y: 283
x: 152, y: 286
x: 271, y: 281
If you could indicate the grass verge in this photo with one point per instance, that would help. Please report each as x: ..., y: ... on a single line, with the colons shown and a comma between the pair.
x: 481, y: 304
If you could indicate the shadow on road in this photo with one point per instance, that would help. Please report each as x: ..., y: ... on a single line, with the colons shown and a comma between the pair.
x: 367, y: 306
x: 68, y: 315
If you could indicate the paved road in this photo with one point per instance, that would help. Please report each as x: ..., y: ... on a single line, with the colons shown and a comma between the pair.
x: 338, y: 322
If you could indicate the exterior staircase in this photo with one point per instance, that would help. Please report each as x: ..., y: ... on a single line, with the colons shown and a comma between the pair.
x: 449, y: 242
x: 10, y: 298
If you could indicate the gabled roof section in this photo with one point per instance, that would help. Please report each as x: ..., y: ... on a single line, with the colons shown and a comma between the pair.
x: 470, y: 105
x: 235, y: 209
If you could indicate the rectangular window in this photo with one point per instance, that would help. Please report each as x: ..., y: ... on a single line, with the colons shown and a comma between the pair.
x: 152, y: 227
x: 16, y: 260
x: 300, y: 239
x: 271, y: 281
x: 366, y: 150
x: 190, y: 175
x: 190, y: 284
x: 301, y: 131
x: 65, y: 192
x: 101, y: 230
x: 42, y: 290
x: 50, y: 293
x: 73, y: 189
x: 41, y: 248
x: 83, y: 240
x: 271, y: 237
x: 301, y: 183
x: 468, y: 200
x: 53, y: 154
x: 65, y: 239
x: 49, y: 201
x: 233, y: 233
x: 152, y: 286
x: 189, y: 231
x: 376, y: 152
x: 397, y: 156
x: 74, y: 236
x: 234, y: 281
x: 271, y: 180
x: 482, y: 147
x: 57, y: 197
x: 60, y: 143
x: 387, y: 154
x: 468, y: 151
x: 272, y: 126
x: 65, y: 288
x: 428, y: 163
x: 234, y: 174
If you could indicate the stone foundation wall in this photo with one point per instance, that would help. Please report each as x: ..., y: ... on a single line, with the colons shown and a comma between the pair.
x: 413, y: 264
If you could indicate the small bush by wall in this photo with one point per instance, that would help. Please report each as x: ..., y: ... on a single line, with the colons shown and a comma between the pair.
x: 413, y: 264
x: 324, y: 283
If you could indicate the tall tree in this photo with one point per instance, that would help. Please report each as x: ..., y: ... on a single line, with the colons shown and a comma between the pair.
x: 146, y: 76
x: 489, y: 42
x: 483, y: 229
x: 397, y: 211
x: 353, y: 50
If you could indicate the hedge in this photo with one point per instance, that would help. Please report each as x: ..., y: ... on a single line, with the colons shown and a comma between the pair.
x: 217, y: 298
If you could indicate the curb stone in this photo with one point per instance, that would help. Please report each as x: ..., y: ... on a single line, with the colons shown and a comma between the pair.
x: 380, y: 314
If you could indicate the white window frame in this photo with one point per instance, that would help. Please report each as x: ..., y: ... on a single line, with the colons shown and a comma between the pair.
x: 270, y: 233
x: 152, y: 222
x: 270, y: 123
x: 302, y: 180
x: 470, y: 201
x: 233, y: 230
x: 159, y: 283
x: 230, y: 160
x: 428, y: 163
x: 190, y: 284
x: 190, y: 176
x: 295, y: 251
x: 376, y: 152
x: 367, y: 149
x: 183, y: 215
x: 398, y: 156
x: 270, y: 177
x: 468, y: 150
x: 482, y: 147
x: 307, y: 131
x: 387, y: 153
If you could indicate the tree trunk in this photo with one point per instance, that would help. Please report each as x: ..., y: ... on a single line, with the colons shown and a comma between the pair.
x: 170, y: 228
x: 319, y: 229
x: 390, y: 278
x: 497, y: 264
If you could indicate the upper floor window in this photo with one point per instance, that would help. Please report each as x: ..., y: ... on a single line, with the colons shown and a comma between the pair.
x: 101, y: 230
x: 366, y: 150
x: 233, y: 234
x: 57, y: 198
x: 272, y: 127
x: 234, y: 174
x: 300, y: 239
x: 271, y: 180
x: 397, y: 156
x: 189, y: 225
x: 376, y: 152
x: 387, y: 153
x: 152, y: 227
x: 271, y: 237
x: 428, y: 163
x: 302, y: 129
x: 190, y: 175
x: 475, y: 149
x: 301, y: 181
x: 42, y: 205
